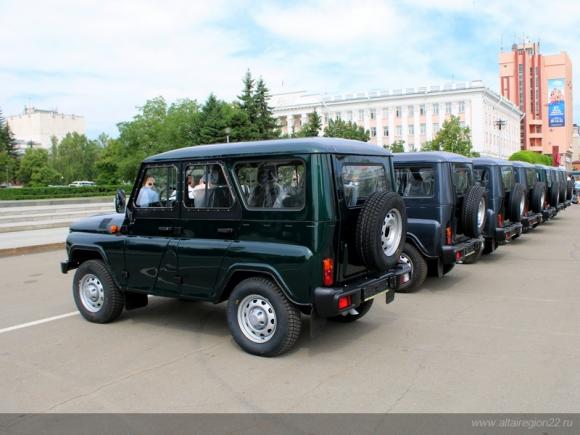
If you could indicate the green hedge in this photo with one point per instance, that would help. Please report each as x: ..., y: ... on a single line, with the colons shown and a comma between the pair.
x: 59, y: 192
x: 532, y: 157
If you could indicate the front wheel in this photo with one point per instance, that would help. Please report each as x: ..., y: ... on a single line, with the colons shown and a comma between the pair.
x: 413, y: 258
x: 96, y: 295
x: 261, y: 319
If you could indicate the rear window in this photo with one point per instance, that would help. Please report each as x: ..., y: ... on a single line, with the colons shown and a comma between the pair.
x: 462, y: 178
x: 481, y: 177
x: 361, y: 181
x: 507, y: 178
x: 272, y: 184
x: 415, y: 181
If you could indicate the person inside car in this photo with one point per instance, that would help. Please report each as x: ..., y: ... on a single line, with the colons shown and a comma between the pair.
x: 148, y: 196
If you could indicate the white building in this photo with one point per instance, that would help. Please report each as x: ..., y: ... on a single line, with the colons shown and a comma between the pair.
x: 35, y: 127
x: 413, y: 115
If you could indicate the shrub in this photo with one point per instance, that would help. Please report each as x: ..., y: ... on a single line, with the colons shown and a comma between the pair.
x: 532, y: 157
x: 59, y: 192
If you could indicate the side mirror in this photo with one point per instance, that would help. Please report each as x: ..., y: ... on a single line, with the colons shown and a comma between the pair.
x: 120, y: 199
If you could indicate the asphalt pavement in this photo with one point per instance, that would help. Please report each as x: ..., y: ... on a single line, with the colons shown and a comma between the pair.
x: 498, y: 336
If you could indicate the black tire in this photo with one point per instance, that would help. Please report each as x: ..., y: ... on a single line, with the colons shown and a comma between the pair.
x: 286, y: 317
x: 538, y: 197
x: 563, y: 190
x: 517, y: 203
x: 96, y: 295
x: 369, y: 229
x: 413, y: 257
x: 555, y: 194
x: 489, y: 246
x: 474, y: 258
x: 362, y: 309
x: 471, y: 203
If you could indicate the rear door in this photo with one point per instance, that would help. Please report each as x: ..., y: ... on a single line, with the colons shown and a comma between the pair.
x: 357, y: 177
x: 210, y: 220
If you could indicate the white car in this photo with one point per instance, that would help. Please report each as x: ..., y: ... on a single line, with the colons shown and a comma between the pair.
x: 82, y: 183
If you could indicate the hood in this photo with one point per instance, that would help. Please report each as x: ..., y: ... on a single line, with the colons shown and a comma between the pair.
x: 98, y: 224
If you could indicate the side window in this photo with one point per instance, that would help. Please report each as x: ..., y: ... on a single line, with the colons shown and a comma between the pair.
x: 206, y: 187
x: 158, y: 188
x: 531, y: 178
x: 507, y: 178
x: 360, y: 181
x: 461, y: 178
x: 481, y: 176
x: 415, y: 181
x: 276, y: 184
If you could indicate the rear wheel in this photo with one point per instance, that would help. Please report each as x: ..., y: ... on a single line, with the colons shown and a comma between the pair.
x: 348, y: 317
x: 538, y: 197
x: 517, y: 203
x: 413, y: 258
x: 261, y: 319
x: 96, y: 295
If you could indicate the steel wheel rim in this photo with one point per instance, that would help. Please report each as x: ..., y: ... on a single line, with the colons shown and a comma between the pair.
x: 522, y: 206
x: 480, y: 213
x: 257, y: 318
x: 404, y: 258
x: 92, y: 293
x: 391, y: 232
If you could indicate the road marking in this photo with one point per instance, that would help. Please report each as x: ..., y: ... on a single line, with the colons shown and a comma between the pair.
x: 38, y: 322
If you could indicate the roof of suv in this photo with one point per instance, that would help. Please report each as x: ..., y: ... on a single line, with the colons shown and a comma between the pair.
x: 491, y: 161
x: 522, y: 164
x: 311, y: 145
x: 430, y: 156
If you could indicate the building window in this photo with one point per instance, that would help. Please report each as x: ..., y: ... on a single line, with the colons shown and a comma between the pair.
x: 373, y: 132
x: 462, y: 124
x: 398, y: 111
x: 435, y: 127
x: 411, y: 129
x: 410, y: 111
x: 435, y: 109
x: 399, y: 130
x: 326, y: 117
x: 447, y: 108
x: 338, y: 116
x: 423, y: 129
x: 349, y: 115
x: 412, y: 147
x: 385, y: 131
x: 385, y: 112
x: 361, y: 114
x: 372, y: 113
x: 422, y: 109
x: 461, y: 107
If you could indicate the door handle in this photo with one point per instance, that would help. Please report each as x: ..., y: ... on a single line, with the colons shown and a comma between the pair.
x: 225, y: 230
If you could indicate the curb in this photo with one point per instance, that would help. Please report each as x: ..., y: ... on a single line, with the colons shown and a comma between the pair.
x: 34, y: 249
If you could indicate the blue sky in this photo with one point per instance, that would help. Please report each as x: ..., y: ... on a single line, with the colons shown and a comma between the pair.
x: 102, y: 59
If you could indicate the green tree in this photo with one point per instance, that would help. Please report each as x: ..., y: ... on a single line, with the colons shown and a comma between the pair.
x: 266, y: 123
x: 397, y: 146
x: 34, y: 169
x: 7, y: 141
x: 214, y: 120
x: 75, y: 158
x: 247, y: 105
x: 532, y: 157
x: 312, y: 126
x: 453, y: 138
x: 346, y: 130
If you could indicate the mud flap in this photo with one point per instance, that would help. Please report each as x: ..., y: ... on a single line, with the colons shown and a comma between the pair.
x: 317, y: 324
x: 135, y: 300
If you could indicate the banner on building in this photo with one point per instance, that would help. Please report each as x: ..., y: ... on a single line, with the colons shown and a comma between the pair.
x: 556, y: 105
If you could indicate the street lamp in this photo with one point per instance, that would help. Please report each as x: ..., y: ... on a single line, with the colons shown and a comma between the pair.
x: 499, y: 123
x: 227, y: 131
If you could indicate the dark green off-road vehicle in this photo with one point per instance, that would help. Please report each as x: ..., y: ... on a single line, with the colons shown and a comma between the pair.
x: 276, y: 228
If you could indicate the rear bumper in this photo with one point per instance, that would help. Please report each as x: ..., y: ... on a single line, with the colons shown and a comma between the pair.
x: 326, y: 298
x: 459, y: 251
x: 549, y: 213
x: 561, y: 206
x: 506, y: 234
x: 532, y: 220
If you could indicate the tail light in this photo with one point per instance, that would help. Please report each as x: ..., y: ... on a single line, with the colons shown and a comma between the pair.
x: 500, y: 220
x: 328, y: 272
x: 343, y: 302
x: 448, y: 236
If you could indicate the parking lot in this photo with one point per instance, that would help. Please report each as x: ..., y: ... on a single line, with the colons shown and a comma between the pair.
x: 498, y: 336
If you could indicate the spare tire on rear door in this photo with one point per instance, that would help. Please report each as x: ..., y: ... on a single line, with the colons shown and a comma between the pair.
x: 569, y: 189
x: 517, y: 203
x: 555, y: 194
x: 474, y: 211
x: 381, y: 231
x: 538, y: 197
